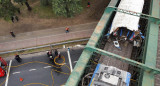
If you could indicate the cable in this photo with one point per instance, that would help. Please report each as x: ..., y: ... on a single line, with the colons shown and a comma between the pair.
x: 85, y: 77
x: 59, y: 63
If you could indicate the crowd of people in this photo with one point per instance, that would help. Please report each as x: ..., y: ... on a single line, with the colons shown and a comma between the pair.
x: 56, y: 53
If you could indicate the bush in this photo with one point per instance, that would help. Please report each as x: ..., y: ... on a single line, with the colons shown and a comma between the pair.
x: 67, y: 8
x: 46, y: 2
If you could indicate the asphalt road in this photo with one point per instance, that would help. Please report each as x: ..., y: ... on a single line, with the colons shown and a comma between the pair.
x: 38, y: 70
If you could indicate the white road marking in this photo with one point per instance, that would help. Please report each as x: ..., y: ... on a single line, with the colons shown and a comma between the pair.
x: 6, y: 84
x: 47, y: 67
x: 75, y: 61
x: 32, y: 69
x: 16, y: 72
x: 69, y: 58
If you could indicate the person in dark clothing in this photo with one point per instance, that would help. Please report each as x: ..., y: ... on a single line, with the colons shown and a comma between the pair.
x: 59, y: 54
x: 13, y: 35
x: 18, y: 10
x: 49, y: 54
x: 88, y: 4
x: 16, y: 18
x: 18, y: 58
x: 56, y: 52
x: 12, y: 18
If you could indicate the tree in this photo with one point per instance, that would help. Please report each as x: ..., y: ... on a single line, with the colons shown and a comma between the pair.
x: 66, y: 8
x: 7, y: 9
x: 44, y: 2
x: 26, y: 3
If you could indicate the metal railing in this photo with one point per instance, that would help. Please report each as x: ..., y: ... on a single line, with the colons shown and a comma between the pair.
x: 43, y: 46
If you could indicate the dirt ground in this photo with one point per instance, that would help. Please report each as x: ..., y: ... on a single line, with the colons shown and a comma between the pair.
x: 29, y: 21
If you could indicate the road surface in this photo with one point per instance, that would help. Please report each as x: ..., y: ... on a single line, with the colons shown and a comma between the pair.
x: 37, y: 69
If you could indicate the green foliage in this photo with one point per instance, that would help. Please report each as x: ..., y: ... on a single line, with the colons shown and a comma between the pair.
x: 67, y: 8
x: 7, y: 9
x: 43, y: 11
x: 45, y: 2
x: 20, y: 1
x: 24, y: 1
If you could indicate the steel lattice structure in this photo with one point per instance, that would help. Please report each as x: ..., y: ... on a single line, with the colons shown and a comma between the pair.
x: 148, y: 65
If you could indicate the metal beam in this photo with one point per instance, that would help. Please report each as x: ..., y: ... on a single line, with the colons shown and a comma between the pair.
x: 145, y: 16
x: 148, y: 69
x: 82, y: 63
x: 150, y: 53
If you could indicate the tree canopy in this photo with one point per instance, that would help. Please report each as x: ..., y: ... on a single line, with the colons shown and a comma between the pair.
x: 7, y: 9
x: 46, y: 2
x: 26, y: 3
x: 66, y: 8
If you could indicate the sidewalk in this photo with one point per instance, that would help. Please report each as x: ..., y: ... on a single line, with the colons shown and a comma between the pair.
x: 41, y: 37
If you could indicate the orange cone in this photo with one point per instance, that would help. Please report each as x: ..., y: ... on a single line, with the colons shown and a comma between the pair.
x: 20, y: 79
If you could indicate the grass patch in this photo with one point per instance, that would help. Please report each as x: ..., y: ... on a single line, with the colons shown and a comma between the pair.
x: 47, y: 11
x: 84, y: 3
x: 43, y: 11
x: 33, y: 1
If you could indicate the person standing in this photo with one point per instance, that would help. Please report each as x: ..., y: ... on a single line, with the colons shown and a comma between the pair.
x: 12, y: 34
x: 17, y: 57
x: 59, y: 54
x: 18, y: 10
x: 12, y: 18
x: 56, y: 52
x: 49, y: 53
x: 67, y: 30
x: 88, y: 4
x: 16, y: 18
